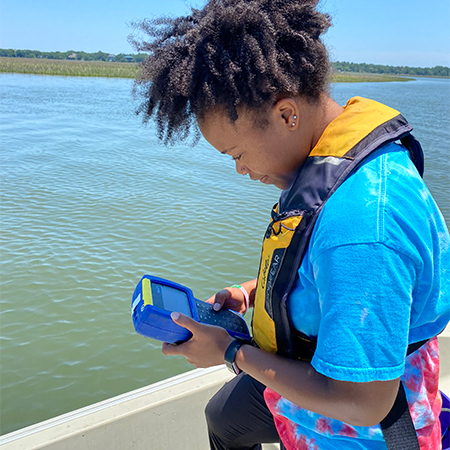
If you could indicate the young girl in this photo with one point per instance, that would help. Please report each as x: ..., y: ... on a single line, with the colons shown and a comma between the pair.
x: 353, y: 284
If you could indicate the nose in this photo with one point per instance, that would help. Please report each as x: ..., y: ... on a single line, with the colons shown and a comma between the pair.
x: 241, y: 169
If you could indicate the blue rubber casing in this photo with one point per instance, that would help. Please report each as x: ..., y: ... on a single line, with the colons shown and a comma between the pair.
x: 154, y: 322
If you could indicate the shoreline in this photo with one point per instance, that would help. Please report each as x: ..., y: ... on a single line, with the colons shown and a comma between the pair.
x: 57, y: 67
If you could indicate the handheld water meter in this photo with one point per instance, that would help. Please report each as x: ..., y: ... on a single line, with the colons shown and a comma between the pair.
x: 155, y: 298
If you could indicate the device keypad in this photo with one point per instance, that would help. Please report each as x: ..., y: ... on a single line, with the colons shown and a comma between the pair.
x: 222, y: 318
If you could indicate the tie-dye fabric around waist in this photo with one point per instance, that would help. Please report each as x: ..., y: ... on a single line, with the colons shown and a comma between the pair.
x: 300, y: 429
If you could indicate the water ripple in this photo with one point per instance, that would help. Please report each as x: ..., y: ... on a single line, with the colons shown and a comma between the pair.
x: 91, y: 202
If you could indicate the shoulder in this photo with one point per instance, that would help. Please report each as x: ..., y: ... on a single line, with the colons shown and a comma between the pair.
x: 384, y: 201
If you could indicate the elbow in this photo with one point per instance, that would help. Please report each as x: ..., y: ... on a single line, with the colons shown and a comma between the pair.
x: 369, y: 403
x: 365, y: 416
x: 366, y: 420
x: 370, y: 415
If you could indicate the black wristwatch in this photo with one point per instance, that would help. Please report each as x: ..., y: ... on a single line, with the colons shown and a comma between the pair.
x: 230, y: 356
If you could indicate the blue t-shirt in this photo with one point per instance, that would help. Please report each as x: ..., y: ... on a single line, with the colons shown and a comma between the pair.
x: 376, y: 277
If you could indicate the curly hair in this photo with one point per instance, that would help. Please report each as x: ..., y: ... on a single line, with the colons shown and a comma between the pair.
x: 232, y: 54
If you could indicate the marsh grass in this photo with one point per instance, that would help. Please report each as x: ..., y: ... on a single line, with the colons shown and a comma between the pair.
x: 68, y: 68
x: 365, y: 77
x: 128, y: 70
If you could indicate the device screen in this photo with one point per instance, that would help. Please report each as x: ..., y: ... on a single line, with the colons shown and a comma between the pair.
x: 170, y: 299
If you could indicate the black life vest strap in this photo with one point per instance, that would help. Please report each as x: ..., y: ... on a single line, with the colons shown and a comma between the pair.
x: 398, y: 427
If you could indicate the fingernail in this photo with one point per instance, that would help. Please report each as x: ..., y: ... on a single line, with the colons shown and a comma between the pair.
x: 216, y: 306
x: 175, y: 315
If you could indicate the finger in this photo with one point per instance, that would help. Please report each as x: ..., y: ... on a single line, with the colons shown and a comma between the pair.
x: 220, y: 298
x: 169, y: 349
x: 173, y: 349
x: 185, y: 321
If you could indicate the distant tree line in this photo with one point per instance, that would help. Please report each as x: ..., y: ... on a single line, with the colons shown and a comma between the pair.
x: 71, y: 54
x: 344, y: 66
x: 437, y: 71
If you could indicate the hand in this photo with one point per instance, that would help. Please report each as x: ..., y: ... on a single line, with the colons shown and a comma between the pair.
x: 207, y: 345
x: 230, y: 298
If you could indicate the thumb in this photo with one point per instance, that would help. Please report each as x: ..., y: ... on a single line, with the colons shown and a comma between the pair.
x: 184, y: 321
x: 220, y: 298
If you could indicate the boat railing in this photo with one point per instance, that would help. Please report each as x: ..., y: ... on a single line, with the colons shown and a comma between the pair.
x: 165, y: 415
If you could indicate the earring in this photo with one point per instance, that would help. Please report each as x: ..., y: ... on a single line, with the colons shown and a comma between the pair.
x: 293, y: 124
x: 295, y: 117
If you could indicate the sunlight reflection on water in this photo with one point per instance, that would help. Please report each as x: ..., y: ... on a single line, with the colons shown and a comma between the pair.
x: 91, y: 202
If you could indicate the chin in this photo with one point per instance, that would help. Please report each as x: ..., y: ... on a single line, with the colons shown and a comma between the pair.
x: 281, y: 184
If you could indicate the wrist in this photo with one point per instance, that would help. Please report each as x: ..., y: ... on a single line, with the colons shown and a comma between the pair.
x: 245, y: 294
x: 230, y: 356
x: 239, y: 359
x: 250, y: 287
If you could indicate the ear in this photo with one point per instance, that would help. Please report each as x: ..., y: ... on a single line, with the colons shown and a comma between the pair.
x: 286, y: 113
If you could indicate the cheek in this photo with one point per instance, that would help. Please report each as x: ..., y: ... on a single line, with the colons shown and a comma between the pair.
x: 271, y: 162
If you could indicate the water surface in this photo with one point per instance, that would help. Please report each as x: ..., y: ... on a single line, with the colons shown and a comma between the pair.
x: 90, y: 202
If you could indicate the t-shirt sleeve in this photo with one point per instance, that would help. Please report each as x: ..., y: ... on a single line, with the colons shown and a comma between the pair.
x: 365, y: 295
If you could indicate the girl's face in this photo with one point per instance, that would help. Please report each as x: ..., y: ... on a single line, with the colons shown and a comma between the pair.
x: 272, y: 154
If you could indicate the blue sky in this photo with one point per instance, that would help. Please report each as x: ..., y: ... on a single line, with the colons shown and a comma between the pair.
x: 394, y: 32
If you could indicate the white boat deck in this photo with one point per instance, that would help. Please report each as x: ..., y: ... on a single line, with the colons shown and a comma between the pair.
x: 164, y: 415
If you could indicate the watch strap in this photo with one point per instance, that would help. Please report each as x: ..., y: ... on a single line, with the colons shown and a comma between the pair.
x: 230, y: 356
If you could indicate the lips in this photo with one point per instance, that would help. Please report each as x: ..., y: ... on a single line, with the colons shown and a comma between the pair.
x: 263, y: 179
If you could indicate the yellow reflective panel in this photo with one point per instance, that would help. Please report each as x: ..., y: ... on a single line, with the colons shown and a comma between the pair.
x: 147, y: 292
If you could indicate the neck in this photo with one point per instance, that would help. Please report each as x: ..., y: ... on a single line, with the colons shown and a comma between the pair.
x: 327, y: 110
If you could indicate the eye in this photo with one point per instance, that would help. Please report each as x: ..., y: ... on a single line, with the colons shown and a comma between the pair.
x: 237, y: 158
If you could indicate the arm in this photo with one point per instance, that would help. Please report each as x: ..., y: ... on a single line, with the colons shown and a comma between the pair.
x: 376, y: 316
x: 360, y: 404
